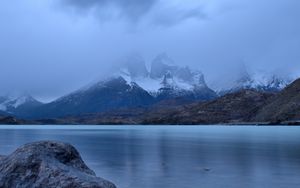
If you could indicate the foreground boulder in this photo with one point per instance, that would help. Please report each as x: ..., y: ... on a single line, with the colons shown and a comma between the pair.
x: 48, y: 164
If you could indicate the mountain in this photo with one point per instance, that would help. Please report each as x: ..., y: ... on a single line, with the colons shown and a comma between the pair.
x: 166, y: 80
x: 105, y: 95
x: 131, y: 86
x: 2, y: 113
x: 18, y: 105
x: 243, y: 106
x: 248, y: 106
x: 134, y: 66
x: 260, y: 81
x: 283, y: 107
x: 232, y: 108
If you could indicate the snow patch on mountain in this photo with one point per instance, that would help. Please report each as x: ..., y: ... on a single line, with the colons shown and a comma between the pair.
x: 12, y: 102
x: 259, y: 80
x: 164, y: 74
x: 163, y: 78
x: 21, y: 100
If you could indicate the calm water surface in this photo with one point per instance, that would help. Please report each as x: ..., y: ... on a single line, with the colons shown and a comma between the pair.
x: 177, y: 157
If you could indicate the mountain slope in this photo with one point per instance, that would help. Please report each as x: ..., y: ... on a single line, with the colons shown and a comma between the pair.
x: 129, y: 87
x: 3, y: 113
x: 235, y: 107
x: 283, y: 107
x: 244, y: 106
x: 105, y: 95
x: 260, y: 81
x: 18, y: 106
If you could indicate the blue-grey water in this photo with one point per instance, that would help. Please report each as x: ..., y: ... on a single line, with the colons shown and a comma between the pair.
x: 177, y: 156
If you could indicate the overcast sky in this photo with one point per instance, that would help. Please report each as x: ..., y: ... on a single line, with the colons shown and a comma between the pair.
x: 51, y: 47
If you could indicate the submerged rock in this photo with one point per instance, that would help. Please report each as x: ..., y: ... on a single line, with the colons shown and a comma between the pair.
x: 48, y: 164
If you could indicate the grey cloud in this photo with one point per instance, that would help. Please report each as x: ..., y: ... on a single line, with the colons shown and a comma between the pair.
x: 175, y: 16
x: 137, y: 10
x: 49, y: 52
x: 132, y: 9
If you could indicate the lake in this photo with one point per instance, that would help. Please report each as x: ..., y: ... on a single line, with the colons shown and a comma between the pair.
x: 177, y: 156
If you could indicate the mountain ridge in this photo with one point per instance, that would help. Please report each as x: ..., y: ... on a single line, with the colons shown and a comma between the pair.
x: 247, y: 106
x: 134, y: 86
x: 260, y: 81
x: 125, y: 89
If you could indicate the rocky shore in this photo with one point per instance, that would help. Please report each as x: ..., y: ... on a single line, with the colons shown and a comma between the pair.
x: 48, y: 164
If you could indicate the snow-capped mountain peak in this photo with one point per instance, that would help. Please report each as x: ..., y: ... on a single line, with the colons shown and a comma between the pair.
x: 198, y: 78
x: 22, y: 100
x: 161, y: 65
x: 135, y: 66
x: 163, y: 75
x: 262, y: 81
x: 11, y: 103
x: 168, y: 81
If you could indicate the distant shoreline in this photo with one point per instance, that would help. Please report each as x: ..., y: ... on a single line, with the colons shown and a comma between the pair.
x: 258, y: 124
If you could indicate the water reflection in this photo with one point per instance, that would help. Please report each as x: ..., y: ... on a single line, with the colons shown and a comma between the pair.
x: 174, y: 157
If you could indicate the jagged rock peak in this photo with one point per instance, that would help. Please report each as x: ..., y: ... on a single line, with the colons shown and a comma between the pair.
x: 199, y: 80
x: 134, y: 66
x: 168, y: 81
x: 161, y: 65
x: 265, y: 81
x: 11, y: 102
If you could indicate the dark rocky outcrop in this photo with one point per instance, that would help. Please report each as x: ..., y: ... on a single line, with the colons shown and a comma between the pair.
x: 9, y: 120
x: 48, y: 164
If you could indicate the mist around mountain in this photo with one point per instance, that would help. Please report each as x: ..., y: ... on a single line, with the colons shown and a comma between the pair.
x: 166, y: 80
x: 132, y: 85
x: 259, y: 80
x: 155, y: 92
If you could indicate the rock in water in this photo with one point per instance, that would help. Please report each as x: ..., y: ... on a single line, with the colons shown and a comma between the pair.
x: 48, y: 164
